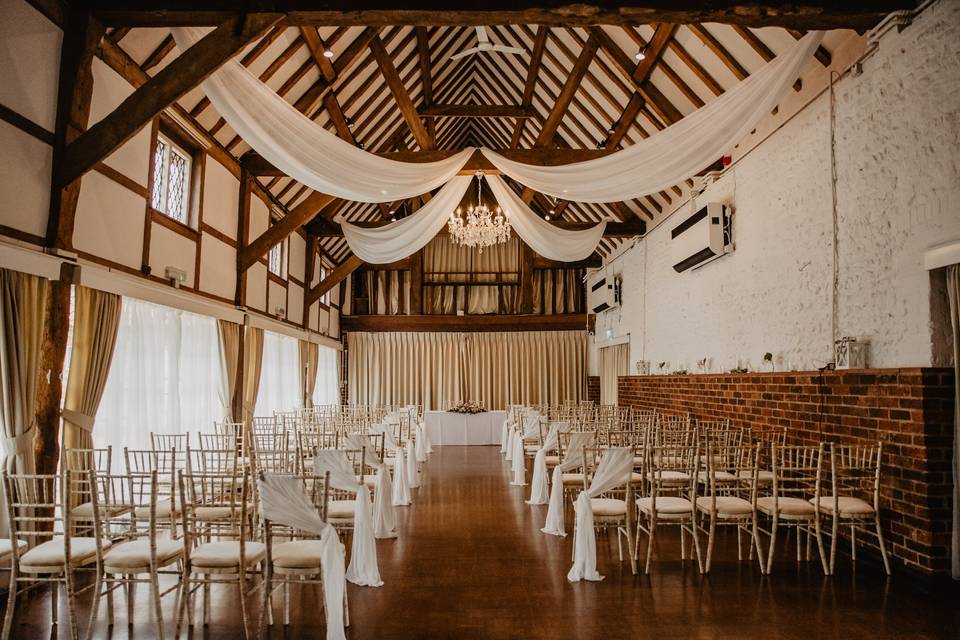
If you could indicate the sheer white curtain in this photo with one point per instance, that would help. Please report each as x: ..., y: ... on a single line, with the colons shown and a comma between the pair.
x: 279, y: 375
x: 327, y: 388
x: 165, y: 377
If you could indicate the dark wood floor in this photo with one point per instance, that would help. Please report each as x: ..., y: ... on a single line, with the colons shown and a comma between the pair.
x: 471, y: 563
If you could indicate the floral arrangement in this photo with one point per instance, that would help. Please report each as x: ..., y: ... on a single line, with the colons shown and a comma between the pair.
x: 468, y: 407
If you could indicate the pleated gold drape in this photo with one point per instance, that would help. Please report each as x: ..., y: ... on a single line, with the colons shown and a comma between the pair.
x: 23, y: 302
x: 437, y: 370
x: 229, y: 333
x: 614, y: 362
x: 309, y: 361
x: 252, y: 363
x: 96, y: 320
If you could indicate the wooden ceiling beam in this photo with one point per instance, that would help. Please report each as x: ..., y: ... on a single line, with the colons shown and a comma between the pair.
x: 570, y: 87
x: 335, y: 277
x: 802, y: 14
x: 279, y: 230
x: 533, y: 74
x: 400, y: 93
x: 477, y: 111
x: 499, y: 322
x: 171, y: 83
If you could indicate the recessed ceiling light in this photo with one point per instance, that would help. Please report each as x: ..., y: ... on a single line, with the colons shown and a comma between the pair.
x: 641, y: 55
x: 327, y: 53
x: 547, y: 216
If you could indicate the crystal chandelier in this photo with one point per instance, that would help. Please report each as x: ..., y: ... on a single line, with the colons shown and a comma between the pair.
x: 479, y: 227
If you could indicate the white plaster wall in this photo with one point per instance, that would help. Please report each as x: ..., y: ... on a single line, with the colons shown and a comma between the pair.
x: 24, y: 180
x: 132, y: 158
x: 277, y: 295
x: 221, y: 199
x: 898, y: 130
x: 109, y: 221
x: 29, y: 62
x: 170, y: 249
x: 259, y: 218
x: 218, y: 268
x: 257, y: 287
x: 297, y: 248
x: 294, y: 303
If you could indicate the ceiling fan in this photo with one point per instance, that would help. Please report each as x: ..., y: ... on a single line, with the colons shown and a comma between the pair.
x: 485, y: 45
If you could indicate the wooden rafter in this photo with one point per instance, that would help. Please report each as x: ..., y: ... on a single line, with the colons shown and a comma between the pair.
x: 171, y: 83
x: 400, y: 93
x: 335, y: 277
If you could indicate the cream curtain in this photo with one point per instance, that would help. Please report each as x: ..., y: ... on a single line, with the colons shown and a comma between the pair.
x: 440, y: 369
x: 252, y: 363
x: 229, y: 333
x: 953, y: 292
x: 614, y: 362
x: 23, y: 302
x: 96, y: 319
x: 309, y: 360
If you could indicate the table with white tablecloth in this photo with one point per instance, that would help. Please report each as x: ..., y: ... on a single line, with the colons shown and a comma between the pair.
x: 447, y: 428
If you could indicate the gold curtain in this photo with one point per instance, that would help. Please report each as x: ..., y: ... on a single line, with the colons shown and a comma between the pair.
x: 23, y: 302
x: 96, y: 320
x: 309, y: 361
x: 252, y: 362
x: 444, y: 261
x: 440, y: 369
x: 614, y: 362
x: 229, y: 333
x: 953, y: 293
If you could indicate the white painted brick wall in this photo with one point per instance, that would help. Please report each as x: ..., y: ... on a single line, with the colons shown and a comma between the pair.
x: 898, y: 135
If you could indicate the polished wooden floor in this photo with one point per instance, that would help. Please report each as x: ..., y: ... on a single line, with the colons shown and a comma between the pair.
x: 470, y: 562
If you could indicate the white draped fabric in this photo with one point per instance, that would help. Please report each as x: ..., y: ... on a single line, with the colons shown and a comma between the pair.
x: 413, y: 477
x: 401, y: 487
x: 529, y: 429
x: 384, y: 516
x: 614, y: 470
x: 579, y: 440
x: 283, y: 500
x: 363, y: 568
x: 544, y: 238
x: 676, y: 153
x: 539, y: 491
x: 303, y: 149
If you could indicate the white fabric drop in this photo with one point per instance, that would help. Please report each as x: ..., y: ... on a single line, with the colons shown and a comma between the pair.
x: 539, y: 491
x: 384, y: 516
x: 614, y: 469
x: 573, y: 458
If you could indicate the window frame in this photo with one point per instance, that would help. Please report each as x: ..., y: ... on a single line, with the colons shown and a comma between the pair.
x: 183, y: 145
x: 282, y: 248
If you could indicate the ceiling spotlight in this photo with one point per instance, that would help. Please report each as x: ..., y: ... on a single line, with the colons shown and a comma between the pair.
x: 360, y: 144
x: 547, y: 217
x: 611, y: 131
x: 552, y: 211
x: 327, y: 53
x: 349, y: 122
x: 641, y: 55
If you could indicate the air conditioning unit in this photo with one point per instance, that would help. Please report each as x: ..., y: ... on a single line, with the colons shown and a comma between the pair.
x: 703, y: 236
x: 604, y: 293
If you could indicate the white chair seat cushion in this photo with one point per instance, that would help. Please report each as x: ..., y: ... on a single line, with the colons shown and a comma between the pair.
x: 298, y: 554
x: 788, y: 505
x: 670, y: 477
x: 136, y: 553
x: 726, y: 505
x: 163, y: 510
x: 721, y: 476
x: 340, y: 509
x: 225, y: 554
x: 848, y: 506
x: 665, y: 504
x: 608, y: 507
x: 213, y: 513
x: 85, y: 511
x: 6, y: 547
x: 762, y: 475
x: 52, y: 552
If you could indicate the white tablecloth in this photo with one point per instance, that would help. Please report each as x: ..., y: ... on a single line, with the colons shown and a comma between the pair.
x: 444, y: 427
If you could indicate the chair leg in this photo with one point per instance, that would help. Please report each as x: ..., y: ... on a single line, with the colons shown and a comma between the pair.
x: 739, y: 547
x: 110, y: 585
x: 834, y: 534
x: 773, y: 543
x: 883, y: 545
x: 95, y: 605
x: 158, y: 609
x: 130, y: 596
x: 696, y: 545
x: 55, y: 603
x: 71, y: 612
x: 711, y: 535
x: 242, y: 585
x: 823, y: 555
x: 286, y: 603
x: 755, y: 543
x: 206, y: 600
x: 265, y: 603
x: 184, y: 604
x: 11, y: 606
x: 650, y: 539
x: 683, y: 544
x: 853, y: 542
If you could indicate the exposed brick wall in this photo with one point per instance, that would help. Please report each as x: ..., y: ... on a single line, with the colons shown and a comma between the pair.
x: 593, y: 389
x: 909, y: 410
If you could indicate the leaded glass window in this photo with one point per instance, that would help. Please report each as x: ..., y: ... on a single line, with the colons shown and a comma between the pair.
x: 171, y: 180
x: 275, y: 260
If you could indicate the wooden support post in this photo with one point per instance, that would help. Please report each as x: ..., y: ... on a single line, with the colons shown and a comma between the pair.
x: 243, y: 230
x: 416, y: 283
x: 46, y: 443
x: 80, y: 45
x: 526, y: 278
x: 309, y: 265
x: 236, y: 405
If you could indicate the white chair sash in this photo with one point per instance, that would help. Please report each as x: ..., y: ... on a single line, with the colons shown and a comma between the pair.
x: 573, y: 458
x: 401, y: 487
x: 539, y: 491
x: 384, y: 515
x: 413, y: 478
x: 614, y: 469
x: 363, y: 568
x: 283, y: 500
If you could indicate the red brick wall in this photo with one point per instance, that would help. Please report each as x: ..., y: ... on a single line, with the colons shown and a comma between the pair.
x: 593, y: 389
x: 909, y: 410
